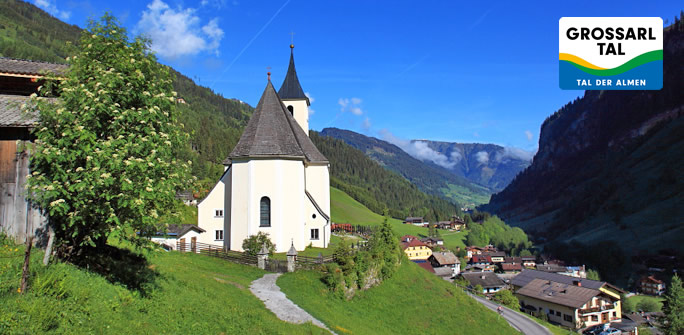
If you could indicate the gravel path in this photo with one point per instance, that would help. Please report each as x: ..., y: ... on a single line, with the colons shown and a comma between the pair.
x: 265, y: 288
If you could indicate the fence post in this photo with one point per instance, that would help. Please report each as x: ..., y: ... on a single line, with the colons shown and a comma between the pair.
x: 291, y: 258
x: 262, y: 256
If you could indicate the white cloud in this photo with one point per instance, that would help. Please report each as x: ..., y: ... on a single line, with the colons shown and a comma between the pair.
x: 350, y: 105
x: 178, y: 32
x: 419, y: 150
x: 515, y: 153
x: 311, y: 98
x: 50, y: 6
x: 456, y: 156
x: 366, y: 124
x: 482, y: 157
x: 529, y: 135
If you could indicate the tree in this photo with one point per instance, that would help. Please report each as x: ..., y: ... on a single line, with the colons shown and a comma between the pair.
x: 479, y: 290
x: 508, y: 299
x: 648, y: 305
x: 674, y: 308
x: 105, y: 150
x: 253, y: 244
x: 593, y: 275
x: 628, y: 305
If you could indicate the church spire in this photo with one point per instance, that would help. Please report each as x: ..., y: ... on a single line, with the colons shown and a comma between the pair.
x: 291, y: 89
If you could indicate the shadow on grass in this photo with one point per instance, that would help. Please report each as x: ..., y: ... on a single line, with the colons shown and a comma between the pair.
x: 119, y: 266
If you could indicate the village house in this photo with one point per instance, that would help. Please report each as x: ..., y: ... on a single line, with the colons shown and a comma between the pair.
x: 480, y: 260
x: 511, y: 265
x: 19, y: 79
x: 568, y: 301
x: 495, y: 256
x: 490, y: 282
x: 432, y: 241
x: 446, y: 260
x: 414, y: 248
x: 446, y: 225
x: 474, y: 250
x: 416, y: 221
x: 457, y: 223
x: 529, y: 262
x: 184, y: 237
x: 651, y: 285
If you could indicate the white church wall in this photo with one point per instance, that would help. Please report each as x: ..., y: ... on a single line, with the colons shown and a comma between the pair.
x: 207, y: 216
x: 318, y: 185
x: 314, y: 220
x: 282, y: 181
x: 301, y: 113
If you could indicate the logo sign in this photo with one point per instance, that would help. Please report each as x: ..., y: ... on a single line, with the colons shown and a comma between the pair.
x: 610, y: 53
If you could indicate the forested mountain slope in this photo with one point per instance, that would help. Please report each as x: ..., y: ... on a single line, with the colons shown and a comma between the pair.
x: 608, y: 173
x: 430, y: 178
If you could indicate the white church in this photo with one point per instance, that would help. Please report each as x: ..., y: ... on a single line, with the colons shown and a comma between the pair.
x: 275, y: 179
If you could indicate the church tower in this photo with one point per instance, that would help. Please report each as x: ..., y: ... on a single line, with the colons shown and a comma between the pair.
x: 292, y: 95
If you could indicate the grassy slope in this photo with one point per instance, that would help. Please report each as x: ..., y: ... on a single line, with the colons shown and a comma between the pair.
x: 344, y: 209
x: 412, y: 301
x: 193, y: 293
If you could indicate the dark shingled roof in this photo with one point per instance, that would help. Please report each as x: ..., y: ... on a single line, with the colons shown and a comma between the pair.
x: 28, y: 67
x: 484, y: 279
x: 290, y: 89
x: 273, y: 132
x: 527, y: 275
x: 182, y: 229
x: 11, y: 114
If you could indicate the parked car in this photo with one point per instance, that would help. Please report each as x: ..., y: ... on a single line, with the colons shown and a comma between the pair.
x: 611, y: 331
x: 594, y: 330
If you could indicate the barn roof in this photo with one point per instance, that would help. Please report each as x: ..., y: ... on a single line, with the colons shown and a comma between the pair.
x: 11, y: 114
x: 273, y: 132
x: 527, y: 275
x: 10, y: 66
x: 558, y: 293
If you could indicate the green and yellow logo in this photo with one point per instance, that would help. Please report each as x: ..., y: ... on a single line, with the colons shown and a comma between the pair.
x: 611, y: 53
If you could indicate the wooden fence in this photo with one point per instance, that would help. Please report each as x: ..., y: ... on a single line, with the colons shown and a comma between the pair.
x: 306, y: 262
x: 217, y: 251
x: 352, y: 229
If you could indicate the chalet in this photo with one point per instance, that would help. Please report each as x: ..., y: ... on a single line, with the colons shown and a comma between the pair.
x: 414, y: 248
x: 490, y: 282
x: 651, y: 285
x: 432, y: 241
x: 445, y: 225
x: 511, y: 265
x: 457, y: 223
x: 416, y: 221
x: 446, y: 259
x: 529, y: 262
x: 481, y: 260
x: 183, y: 236
x: 19, y: 79
x: 565, y: 300
x: 496, y: 257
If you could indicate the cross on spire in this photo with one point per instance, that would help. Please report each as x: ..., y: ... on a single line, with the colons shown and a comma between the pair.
x: 292, y: 33
x: 268, y: 68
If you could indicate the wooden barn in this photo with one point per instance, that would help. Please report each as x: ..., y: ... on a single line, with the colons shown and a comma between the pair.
x: 19, y: 79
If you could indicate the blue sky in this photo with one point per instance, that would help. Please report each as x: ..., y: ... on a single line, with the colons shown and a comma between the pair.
x: 442, y: 70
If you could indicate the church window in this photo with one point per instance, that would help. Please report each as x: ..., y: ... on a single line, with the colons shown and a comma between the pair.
x: 219, y: 235
x: 265, y: 212
x: 218, y: 213
x: 314, y: 234
x: 313, y: 216
x: 291, y: 109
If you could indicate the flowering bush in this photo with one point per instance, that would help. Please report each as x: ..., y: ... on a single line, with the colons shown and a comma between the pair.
x: 104, y: 157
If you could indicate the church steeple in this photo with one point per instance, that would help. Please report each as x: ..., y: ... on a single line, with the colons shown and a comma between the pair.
x: 291, y: 89
x: 293, y: 96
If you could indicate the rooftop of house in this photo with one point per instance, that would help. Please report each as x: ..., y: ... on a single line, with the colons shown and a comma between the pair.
x: 11, y: 66
x: 484, y: 279
x: 414, y: 218
x: 651, y: 279
x: 413, y: 243
x: 426, y: 266
x: 481, y: 259
x: 558, y: 293
x: 551, y: 268
x: 445, y: 258
x: 182, y: 229
x: 11, y: 114
x: 513, y: 260
x: 511, y: 266
x: 444, y: 271
x: 527, y: 275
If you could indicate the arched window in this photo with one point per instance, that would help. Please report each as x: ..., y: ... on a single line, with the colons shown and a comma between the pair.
x: 265, y: 212
x: 291, y: 109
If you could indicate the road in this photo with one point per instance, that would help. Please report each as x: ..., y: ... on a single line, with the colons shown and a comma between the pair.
x: 519, y: 321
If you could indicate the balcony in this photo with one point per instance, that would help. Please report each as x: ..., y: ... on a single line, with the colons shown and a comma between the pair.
x: 596, y: 309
